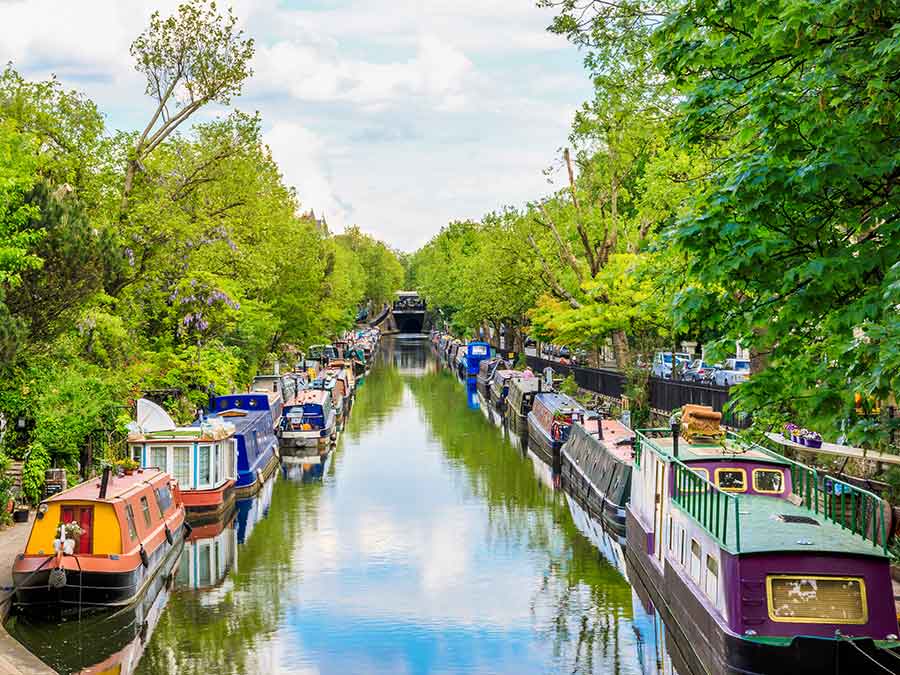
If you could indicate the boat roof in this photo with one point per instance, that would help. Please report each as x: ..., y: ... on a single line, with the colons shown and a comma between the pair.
x: 311, y: 396
x: 557, y: 401
x: 730, y: 450
x: 764, y: 529
x: 524, y: 384
x: 119, y: 487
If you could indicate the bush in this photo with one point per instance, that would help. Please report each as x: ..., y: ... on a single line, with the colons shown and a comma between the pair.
x: 569, y: 386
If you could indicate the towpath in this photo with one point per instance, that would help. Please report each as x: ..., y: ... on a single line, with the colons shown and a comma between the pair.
x: 14, y: 658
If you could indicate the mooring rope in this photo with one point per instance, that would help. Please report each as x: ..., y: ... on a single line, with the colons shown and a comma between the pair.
x: 861, y: 651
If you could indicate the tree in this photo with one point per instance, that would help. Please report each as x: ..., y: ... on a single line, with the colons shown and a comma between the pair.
x: 794, y: 243
x: 191, y: 59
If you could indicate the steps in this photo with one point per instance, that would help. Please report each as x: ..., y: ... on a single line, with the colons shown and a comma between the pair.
x: 14, y: 470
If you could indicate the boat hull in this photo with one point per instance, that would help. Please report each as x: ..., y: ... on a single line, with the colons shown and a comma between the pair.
x: 263, y: 474
x: 713, y: 648
x: 92, y: 589
x: 202, y: 506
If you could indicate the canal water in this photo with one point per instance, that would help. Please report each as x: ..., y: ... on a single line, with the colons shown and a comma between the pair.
x: 426, y: 542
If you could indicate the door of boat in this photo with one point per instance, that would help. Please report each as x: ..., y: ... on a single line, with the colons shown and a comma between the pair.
x: 84, y: 516
x: 660, y: 502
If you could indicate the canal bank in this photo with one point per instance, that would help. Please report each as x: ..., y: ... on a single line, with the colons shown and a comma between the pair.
x: 14, y: 658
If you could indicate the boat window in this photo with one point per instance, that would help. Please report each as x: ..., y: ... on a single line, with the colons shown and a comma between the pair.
x: 145, y: 507
x: 712, y: 578
x: 682, y: 547
x: 697, y: 486
x: 158, y: 456
x: 252, y: 403
x: 731, y: 480
x: 129, y: 516
x: 695, y: 561
x: 136, y: 454
x: 205, y: 465
x: 671, y: 534
x: 815, y: 599
x: 479, y: 350
x: 181, y: 468
x: 768, y: 481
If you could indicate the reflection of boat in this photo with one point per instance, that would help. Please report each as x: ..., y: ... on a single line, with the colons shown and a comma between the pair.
x: 101, y: 543
x: 101, y: 643
x: 472, y: 395
x: 210, y: 553
x: 763, y: 566
x: 542, y: 470
x: 596, y: 470
x: 610, y: 546
x: 252, y: 511
x: 306, y: 469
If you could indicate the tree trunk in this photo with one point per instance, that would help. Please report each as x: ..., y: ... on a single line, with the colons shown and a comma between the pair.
x: 620, y: 348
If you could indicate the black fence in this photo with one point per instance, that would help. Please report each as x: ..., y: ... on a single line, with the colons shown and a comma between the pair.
x: 665, y: 395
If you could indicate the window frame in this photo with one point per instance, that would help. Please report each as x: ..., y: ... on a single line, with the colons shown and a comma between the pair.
x: 132, y: 525
x: 793, y: 619
x: 736, y: 469
x: 769, y: 492
x: 207, y: 480
x: 145, y: 509
x: 714, y: 573
x: 699, y: 559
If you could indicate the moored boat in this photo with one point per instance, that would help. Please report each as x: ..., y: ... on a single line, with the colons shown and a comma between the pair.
x: 100, y: 544
x: 758, y: 562
x: 596, y: 470
x: 549, y: 422
x: 476, y: 352
x: 486, y: 369
x: 518, y: 403
x: 254, y: 416
x: 499, y: 386
x: 311, y: 421
x: 201, y: 458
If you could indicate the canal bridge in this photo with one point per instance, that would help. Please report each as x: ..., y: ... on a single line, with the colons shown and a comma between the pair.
x: 407, y: 314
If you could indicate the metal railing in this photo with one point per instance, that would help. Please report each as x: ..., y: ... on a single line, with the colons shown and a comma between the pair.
x: 707, y: 504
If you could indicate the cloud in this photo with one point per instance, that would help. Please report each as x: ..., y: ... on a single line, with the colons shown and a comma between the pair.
x: 301, y: 155
x: 311, y: 70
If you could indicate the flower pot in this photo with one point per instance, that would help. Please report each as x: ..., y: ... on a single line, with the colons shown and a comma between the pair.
x: 129, y: 472
x: 813, y: 443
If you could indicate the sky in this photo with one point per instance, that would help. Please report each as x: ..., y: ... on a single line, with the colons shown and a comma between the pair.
x: 395, y: 115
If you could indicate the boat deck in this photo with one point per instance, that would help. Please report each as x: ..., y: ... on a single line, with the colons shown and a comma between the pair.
x: 730, y: 450
x: 763, y: 530
x: 613, y: 432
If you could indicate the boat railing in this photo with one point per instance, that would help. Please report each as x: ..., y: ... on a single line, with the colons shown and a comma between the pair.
x: 848, y: 506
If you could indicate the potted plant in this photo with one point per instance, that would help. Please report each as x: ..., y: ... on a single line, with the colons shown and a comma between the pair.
x: 792, y: 431
x: 812, y: 439
x: 128, y: 465
x: 69, y: 534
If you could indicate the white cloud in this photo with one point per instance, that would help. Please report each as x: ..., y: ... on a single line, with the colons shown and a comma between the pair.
x: 301, y: 155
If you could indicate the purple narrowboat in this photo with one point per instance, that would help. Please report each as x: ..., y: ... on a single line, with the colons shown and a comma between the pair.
x: 760, y: 563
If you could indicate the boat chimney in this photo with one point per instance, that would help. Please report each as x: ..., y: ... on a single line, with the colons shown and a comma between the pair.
x: 104, y: 482
x: 676, y: 427
x: 599, y: 425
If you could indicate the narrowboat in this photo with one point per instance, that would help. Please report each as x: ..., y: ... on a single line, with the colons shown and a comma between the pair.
x: 201, y: 458
x: 254, y: 416
x: 596, y: 470
x: 328, y: 382
x: 100, y: 544
x: 499, y: 386
x: 311, y: 421
x: 760, y: 563
x: 518, y: 403
x: 486, y: 369
x: 476, y: 352
x: 552, y: 416
x: 318, y: 356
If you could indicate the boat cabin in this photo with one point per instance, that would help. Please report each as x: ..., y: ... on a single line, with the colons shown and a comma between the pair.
x: 476, y: 352
x: 255, y: 417
x: 772, y: 551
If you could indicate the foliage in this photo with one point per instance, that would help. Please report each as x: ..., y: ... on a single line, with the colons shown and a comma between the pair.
x: 568, y: 386
x: 37, y: 463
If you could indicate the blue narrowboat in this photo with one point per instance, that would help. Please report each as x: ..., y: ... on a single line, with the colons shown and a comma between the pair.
x: 476, y: 352
x: 254, y: 417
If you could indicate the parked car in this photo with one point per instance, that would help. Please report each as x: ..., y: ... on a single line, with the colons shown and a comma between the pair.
x: 697, y: 371
x: 733, y: 372
x: 662, y: 363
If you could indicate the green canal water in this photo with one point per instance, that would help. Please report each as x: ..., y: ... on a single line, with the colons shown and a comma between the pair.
x: 426, y: 542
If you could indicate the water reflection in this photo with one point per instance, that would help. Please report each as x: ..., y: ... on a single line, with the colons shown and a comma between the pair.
x: 422, y: 544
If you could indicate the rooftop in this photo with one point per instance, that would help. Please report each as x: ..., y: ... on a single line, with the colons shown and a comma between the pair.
x: 119, y: 486
x: 731, y: 450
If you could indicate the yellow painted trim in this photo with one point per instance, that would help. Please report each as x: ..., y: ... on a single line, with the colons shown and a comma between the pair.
x: 768, y: 492
x: 733, y: 468
x: 793, y: 619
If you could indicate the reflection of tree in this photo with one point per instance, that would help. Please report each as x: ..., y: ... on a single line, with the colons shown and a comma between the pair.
x: 586, y: 597
x: 194, y: 637
x: 380, y: 394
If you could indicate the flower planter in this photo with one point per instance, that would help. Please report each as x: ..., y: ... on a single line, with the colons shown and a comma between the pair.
x: 812, y: 442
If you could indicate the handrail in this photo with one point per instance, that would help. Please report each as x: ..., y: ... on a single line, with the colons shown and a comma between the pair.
x: 850, y: 507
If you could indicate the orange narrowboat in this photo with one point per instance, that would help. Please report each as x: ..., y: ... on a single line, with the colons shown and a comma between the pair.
x: 101, y: 543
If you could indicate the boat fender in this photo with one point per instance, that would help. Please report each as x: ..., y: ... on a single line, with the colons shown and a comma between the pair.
x: 57, y: 578
x: 188, y: 528
x: 169, y: 537
x: 145, y: 559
